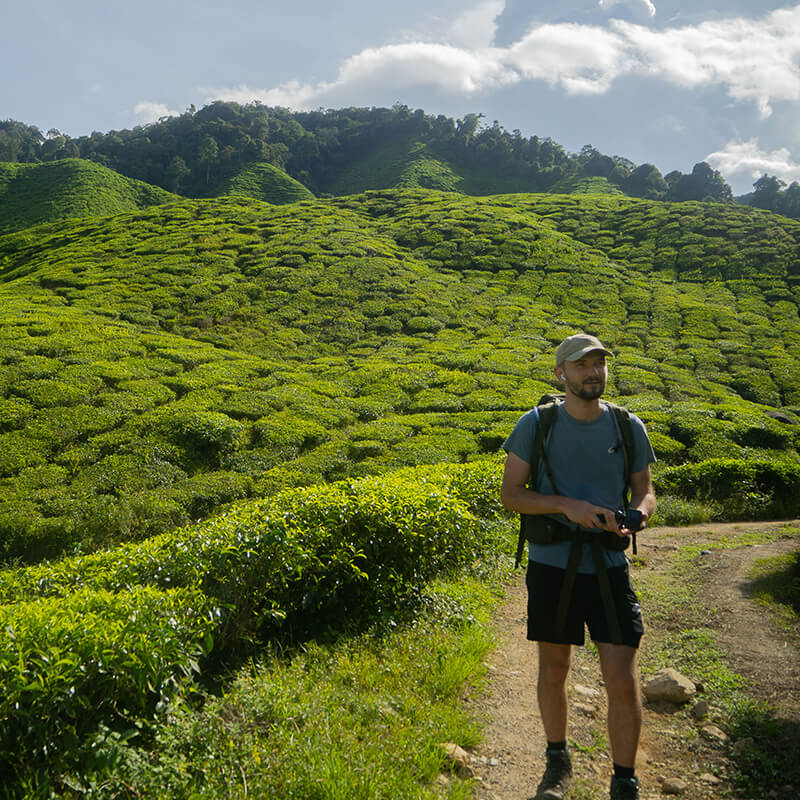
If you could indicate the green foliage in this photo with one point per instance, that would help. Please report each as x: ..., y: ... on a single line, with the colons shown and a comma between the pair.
x: 743, y: 489
x: 361, y: 717
x: 674, y: 510
x: 775, y: 583
x: 401, y: 163
x: 762, y: 760
x: 282, y: 559
x: 158, y: 366
x: 267, y: 182
x: 345, y: 151
x: 205, y: 436
x: 770, y: 193
x: 100, y: 639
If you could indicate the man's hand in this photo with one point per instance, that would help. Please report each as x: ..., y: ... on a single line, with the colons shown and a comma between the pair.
x: 589, y: 516
x: 631, y: 522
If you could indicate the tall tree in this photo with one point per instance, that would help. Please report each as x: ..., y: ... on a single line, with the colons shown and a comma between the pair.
x: 766, y: 192
x: 704, y: 183
x: 176, y: 172
x: 207, y: 153
x: 790, y: 205
x: 646, y: 181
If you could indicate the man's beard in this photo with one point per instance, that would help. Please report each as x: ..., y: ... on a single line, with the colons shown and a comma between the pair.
x: 589, y: 390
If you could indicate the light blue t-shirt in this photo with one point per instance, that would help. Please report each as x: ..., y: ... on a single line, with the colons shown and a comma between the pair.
x: 587, y: 463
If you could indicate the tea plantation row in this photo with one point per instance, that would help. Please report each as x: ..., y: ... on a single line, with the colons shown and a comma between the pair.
x: 107, y: 638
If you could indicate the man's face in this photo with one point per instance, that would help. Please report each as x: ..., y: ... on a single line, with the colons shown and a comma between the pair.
x: 585, y: 378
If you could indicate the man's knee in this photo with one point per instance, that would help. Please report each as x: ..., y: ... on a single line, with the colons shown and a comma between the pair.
x: 554, y: 663
x: 622, y: 685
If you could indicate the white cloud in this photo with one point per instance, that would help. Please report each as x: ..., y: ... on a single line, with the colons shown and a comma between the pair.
x: 146, y: 112
x: 476, y: 27
x: 754, y: 60
x: 291, y: 95
x: 398, y: 66
x: 748, y: 157
x: 581, y: 58
x: 648, y: 6
x: 452, y: 69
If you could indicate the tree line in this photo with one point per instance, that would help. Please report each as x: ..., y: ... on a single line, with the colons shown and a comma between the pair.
x: 195, y: 152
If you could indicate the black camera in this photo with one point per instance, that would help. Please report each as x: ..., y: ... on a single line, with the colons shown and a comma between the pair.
x: 631, y: 519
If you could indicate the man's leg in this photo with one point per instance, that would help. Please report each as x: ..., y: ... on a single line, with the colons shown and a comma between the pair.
x: 554, y: 662
x: 618, y: 663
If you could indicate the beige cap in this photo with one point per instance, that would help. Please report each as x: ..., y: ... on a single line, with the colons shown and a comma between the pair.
x: 577, y: 346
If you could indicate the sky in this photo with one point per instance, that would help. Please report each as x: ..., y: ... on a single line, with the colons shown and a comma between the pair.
x: 666, y: 82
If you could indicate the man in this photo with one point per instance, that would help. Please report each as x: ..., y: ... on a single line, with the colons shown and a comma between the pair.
x: 579, y: 488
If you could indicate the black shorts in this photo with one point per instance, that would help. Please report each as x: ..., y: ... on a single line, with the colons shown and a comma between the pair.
x: 586, y: 606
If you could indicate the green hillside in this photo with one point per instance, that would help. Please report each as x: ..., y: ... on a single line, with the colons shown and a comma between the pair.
x: 585, y: 185
x: 410, y: 163
x: 229, y: 425
x: 401, y: 162
x: 34, y: 193
x: 157, y: 365
x: 268, y: 183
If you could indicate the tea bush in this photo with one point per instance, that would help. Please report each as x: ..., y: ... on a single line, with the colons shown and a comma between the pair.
x: 667, y: 450
x: 203, y: 492
x: 673, y: 510
x: 278, y: 559
x: 205, y: 436
x: 68, y: 664
x: 101, y: 639
x: 754, y: 488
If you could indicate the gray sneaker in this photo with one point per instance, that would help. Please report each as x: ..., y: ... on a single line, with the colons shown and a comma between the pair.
x: 624, y: 789
x: 557, y: 776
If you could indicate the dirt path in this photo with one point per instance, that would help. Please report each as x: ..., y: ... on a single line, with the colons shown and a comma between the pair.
x: 510, y: 761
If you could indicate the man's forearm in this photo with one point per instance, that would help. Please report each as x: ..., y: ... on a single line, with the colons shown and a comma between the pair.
x: 586, y: 515
x: 528, y: 501
x: 644, y: 502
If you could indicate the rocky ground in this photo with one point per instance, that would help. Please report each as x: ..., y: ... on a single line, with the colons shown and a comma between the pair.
x: 673, y: 759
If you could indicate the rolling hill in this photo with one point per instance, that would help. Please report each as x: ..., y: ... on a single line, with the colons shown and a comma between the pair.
x: 207, y: 406
x: 268, y: 183
x: 72, y: 187
x: 351, y: 150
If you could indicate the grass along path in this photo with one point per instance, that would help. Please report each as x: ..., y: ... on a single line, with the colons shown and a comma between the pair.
x: 361, y: 718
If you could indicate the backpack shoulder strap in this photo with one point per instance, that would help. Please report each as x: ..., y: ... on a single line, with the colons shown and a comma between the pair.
x: 546, y: 409
x: 622, y: 421
x: 546, y: 417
